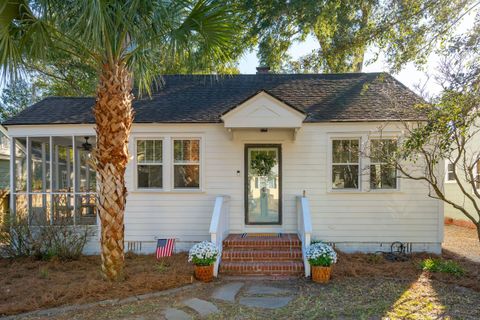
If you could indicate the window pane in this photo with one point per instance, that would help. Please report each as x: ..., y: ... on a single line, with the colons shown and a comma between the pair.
x: 140, y: 150
x: 345, y: 151
x: 157, y: 151
x: 186, y: 151
x: 382, y: 149
x: 383, y: 177
x: 450, y: 172
x: 451, y: 176
x: 345, y: 176
x: 186, y: 176
x: 149, y: 151
x: 150, y: 176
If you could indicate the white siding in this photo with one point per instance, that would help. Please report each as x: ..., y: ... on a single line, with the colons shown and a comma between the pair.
x: 357, y: 220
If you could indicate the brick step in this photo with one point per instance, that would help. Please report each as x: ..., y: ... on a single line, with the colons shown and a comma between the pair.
x: 285, y: 241
x: 258, y: 255
x: 262, y: 268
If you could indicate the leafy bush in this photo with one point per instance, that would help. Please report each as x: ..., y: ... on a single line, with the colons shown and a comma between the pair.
x: 321, y: 254
x: 203, y: 254
x: 62, y: 241
x: 440, y: 265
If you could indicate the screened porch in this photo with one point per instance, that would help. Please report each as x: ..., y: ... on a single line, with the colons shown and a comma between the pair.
x: 52, y: 180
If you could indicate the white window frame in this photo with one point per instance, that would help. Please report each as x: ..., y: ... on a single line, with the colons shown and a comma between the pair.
x: 330, y: 163
x: 135, y: 173
x: 199, y: 163
x: 447, y: 163
x: 397, y: 182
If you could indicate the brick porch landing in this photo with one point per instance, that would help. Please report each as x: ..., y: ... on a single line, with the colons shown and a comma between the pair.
x: 262, y: 256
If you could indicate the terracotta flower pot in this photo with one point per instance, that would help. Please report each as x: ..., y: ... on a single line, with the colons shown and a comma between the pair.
x: 321, y: 274
x: 204, y: 273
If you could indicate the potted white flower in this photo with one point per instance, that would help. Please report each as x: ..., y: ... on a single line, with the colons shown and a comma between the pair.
x: 321, y: 257
x: 203, y: 255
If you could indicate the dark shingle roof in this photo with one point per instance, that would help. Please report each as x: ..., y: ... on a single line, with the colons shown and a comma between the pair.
x: 204, y: 98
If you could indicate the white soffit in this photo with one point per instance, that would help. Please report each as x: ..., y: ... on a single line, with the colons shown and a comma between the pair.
x: 263, y: 111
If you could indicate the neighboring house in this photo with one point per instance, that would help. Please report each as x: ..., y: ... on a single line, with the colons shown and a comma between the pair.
x: 199, y: 146
x: 4, y: 159
x: 453, y: 190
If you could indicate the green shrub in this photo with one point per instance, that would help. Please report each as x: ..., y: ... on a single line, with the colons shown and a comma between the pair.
x: 440, y: 265
x: 61, y: 241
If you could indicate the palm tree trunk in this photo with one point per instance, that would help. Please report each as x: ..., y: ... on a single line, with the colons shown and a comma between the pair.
x: 113, y: 117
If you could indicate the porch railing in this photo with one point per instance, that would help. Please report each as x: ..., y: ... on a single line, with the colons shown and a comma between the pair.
x: 219, y: 226
x: 304, y: 228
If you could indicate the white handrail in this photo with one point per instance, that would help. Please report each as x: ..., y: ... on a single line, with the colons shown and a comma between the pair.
x: 219, y: 226
x: 304, y: 228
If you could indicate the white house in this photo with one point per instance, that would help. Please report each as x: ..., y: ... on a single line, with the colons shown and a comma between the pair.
x: 197, y: 145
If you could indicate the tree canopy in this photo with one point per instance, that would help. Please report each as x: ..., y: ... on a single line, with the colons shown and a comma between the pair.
x: 403, y: 31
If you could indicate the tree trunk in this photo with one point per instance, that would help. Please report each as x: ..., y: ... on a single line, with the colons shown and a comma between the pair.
x: 113, y: 117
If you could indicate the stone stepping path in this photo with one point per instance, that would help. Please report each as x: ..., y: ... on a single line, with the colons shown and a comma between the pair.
x: 265, y: 302
x: 265, y: 290
x: 202, y: 307
x: 254, y: 296
x: 228, y: 292
x: 175, y: 314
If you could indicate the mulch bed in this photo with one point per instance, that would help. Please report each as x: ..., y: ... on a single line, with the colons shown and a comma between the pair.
x: 371, y: 265
x: 27, y: 284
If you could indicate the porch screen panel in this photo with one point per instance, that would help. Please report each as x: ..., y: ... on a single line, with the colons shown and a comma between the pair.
x: 40, y: 201
x: 20, y: 165
x: 86, y: 182
x: 186, y: 164
x: 62, y: 180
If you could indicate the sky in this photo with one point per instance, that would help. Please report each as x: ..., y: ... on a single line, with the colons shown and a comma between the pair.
x: 409, y: 76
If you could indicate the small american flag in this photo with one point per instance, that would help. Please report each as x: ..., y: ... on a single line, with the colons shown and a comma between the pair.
x: 165, y: 247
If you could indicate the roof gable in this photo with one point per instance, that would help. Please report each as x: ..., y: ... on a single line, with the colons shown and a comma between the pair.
x: 263, y: 110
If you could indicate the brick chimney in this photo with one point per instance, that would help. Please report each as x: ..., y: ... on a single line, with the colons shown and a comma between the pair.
x: 263, y: 70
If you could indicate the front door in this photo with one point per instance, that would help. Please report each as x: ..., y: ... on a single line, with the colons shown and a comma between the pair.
x: 263, y: 184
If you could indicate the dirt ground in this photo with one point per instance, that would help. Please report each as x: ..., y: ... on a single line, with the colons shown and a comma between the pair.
x: 366, y: 285
x: 26, y: 284
x: 462, y: 241
x: 363, y: 297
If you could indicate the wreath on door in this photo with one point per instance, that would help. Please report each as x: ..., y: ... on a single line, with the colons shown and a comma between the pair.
x: 262, y: 163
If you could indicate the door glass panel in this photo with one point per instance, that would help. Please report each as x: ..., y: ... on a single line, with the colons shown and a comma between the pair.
x: 263, y: 185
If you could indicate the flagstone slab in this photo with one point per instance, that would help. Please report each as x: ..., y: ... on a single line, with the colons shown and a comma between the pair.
x: 176, y: 314
x: 204, y: 308
x: 228, y: 292
x: 265, y: 302
x: 259, y: 290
